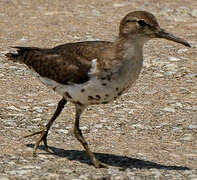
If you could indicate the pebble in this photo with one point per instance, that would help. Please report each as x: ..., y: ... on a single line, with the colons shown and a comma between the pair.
x: 31, y: 94
x: 84, y: 128
x: 24, y: 107
x: 169, y: 109
x: 96, y: 12
x: 187, y: 137
x: 13, y: 108
x: 64, y: 131
x: 180, y: 51
x: 131, y: 111
x: 191, y: 155
x: 98, y: 126
x: 179, y: 105
x: 190, y: 108
x: 177, y: 129
x: 38, y: 109
x: 140, y: 126
x: 174, y: 59
x: 194, y: 12
x: 151, y: 92
x: 192, y: 75
x: 52, y: 176
x: 52, y: 104
x: 119, y: 5
x: 1, y: 75
x: 171, y: 67
x: 66, y: 170
x: 30, y: 100
x: 4, y: 178
x: 37, y: 119
x: 108, y: 127
x: 192, y: 126
x: 158, y: 75
x: 19, y: 172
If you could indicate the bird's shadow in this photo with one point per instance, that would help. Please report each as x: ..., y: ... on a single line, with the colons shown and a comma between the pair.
x: 122, y: 162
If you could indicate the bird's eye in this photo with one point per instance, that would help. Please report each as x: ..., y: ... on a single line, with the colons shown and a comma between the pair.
x: 142, y: 23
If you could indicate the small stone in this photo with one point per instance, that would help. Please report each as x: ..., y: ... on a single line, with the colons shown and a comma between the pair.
x: 194, y: 13
x: 169, y: 109
x: 96, y: 12
x: 38, y: 109
x: 150, y: 92
x: 52, y: 104
x: 177, y: 129
x: 118, y: 5
x: 4, y: 178
x: 31, y: 94
x: 193, y: 126
x: 37, y: 119
x: 174, y: 59
x: 190, y: 108
x: 108, y: 127
x: 103, y: 120
x: 68, y: 171
x: 64, y: 131
x: 180, y: 51
x: 24, y: 107
x: 20, y: 172
x: 188, y: 137
x: 171, y: 67
x: 13, y: 108
x: 84, y: 128
x: 30, y: 100
x: 1, y: 75
x: 84, y: 177
x: 138, y: 126
x: 53, y: 176
x: 99, y: 126
x: 190, y: 155
x: 179, y: 105
x: 158, y: 75
x: 193, y: 75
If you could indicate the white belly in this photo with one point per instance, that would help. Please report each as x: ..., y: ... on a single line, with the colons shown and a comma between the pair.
x: 94, y: 91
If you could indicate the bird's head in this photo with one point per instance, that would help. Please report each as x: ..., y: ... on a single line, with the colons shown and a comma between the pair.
x: 143, y: 26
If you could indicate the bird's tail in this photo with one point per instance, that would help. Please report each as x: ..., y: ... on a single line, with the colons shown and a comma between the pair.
x: 23, y: 54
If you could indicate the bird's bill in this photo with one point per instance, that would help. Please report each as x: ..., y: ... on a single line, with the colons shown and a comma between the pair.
x: 163, y: 34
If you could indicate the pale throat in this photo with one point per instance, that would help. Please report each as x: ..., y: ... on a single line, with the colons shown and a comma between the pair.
x: 132, y: 54
x: 128, y: 69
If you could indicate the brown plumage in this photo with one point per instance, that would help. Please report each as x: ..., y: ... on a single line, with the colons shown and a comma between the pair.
x: 93, y: 72
x: 65, y: 63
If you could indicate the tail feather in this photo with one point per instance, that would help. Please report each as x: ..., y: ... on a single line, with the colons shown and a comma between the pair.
x: 21, y: 54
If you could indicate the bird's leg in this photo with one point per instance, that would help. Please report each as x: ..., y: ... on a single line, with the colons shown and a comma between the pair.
x: 81, y: 139
x: 44, y: 132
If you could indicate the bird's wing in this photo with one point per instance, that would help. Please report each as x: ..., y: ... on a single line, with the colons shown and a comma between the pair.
x: 68, y: 63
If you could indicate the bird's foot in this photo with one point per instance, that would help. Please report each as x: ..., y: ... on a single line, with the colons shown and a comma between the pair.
x: 99, y: 164
x: 43, y: 137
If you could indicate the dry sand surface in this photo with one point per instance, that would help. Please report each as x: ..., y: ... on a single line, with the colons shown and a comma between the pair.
x: 148, y: 133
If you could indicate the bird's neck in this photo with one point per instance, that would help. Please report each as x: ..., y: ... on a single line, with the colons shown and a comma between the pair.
x: 129, y: 49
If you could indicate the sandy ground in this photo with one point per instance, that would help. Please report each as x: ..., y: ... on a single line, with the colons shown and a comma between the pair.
x: 148, y: 133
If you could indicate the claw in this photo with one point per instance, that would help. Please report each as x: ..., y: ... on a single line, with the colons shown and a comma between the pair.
x: 43, y: 137
x: 38, y: 132
x: 43, y: 133
x: 99, y: 164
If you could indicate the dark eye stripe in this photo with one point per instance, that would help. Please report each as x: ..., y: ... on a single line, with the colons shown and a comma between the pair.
x: 128, y: 21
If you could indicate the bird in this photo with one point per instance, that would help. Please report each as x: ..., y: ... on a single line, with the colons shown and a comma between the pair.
x: 92, y: 72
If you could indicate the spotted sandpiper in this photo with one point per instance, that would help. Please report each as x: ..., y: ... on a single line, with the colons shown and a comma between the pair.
x: 93, y: 72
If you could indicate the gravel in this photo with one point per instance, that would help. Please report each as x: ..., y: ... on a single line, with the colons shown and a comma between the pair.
x: 148, y: 133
